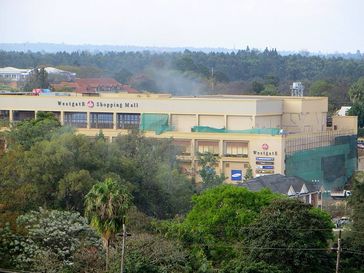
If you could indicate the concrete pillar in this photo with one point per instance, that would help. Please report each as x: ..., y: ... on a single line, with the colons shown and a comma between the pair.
x: 61, y: 118
x: 88, y: 120
x: 193, y: 149
x: 114, y: 120
x: 221, y: 154
x: 11, y: 116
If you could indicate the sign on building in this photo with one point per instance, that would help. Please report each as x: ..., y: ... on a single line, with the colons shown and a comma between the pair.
x: 236, y: 175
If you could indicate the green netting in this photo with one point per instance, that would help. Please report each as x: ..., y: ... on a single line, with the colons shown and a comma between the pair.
x: 331, y: 165
x: 263, y: 131
x: 154, y: 122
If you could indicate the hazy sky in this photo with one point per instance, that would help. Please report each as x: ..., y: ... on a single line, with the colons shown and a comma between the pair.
x: 315, y: 25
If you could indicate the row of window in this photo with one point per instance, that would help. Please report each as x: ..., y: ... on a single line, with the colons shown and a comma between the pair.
x: 230, y: 148
x: 131, y: 121
x: 13, y: 76
x: 79, y: 119
x: 102, y: 120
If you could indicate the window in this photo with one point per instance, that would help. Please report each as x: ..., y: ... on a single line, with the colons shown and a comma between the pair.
x: 75, y: 119
x: 184, y: 146
x: 208, y: 147
x: 128, y: 121
x: 57, y: 115
x: 101, y: 120
x: 4, y: 114
x: 23, y: 115
x: 236, y: 149
x: 4, y: 118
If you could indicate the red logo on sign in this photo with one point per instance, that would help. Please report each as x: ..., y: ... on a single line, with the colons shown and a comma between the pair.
x: 90, y: 104
x: 265, y: 146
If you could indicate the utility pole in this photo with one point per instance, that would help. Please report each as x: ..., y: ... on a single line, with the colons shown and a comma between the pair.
x: 124, y: 235
x: 338, y: 252
x: 123, y: 249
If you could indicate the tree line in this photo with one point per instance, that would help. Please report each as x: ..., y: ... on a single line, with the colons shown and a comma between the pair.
x: 191, y: 72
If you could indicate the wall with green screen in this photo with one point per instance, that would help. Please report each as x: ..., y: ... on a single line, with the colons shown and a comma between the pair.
x: 331, y: 165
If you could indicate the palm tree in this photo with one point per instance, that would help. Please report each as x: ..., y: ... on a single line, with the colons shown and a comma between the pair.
x: 105, y: 207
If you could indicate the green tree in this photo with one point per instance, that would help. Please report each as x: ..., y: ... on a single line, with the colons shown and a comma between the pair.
x: 269, y: 90
x: 152, y: 253
x: 356, y: 91
x: 177, y: 188
x: 249, y: 174
x: 320, y: 88
x: 324, y: 88
x: 215, y: 223
x: 356, y: 202
x: 292, y: 236
x: 6, y: 246
x: 105, y: 206
x: 220, y: 213
x: 241, y: 265
x: 150, y: 165
x: 38, y: 78
x: 358, y: 110
x: 257, y: 87
x: 73, y: 187
x: 353, y: 239
x: 84, y: 71
x: 123, y: 75
x: 50, y: 235
x: 28, y: 132
x: 208, y: 162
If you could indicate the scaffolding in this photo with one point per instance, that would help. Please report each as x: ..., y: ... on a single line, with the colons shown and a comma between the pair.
x: 328, y: 157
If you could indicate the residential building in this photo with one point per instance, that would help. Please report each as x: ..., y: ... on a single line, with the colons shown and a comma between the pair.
x: 93, y: 85
x: 294, y: 187
x: 58, y: 75
x: 12, y: 74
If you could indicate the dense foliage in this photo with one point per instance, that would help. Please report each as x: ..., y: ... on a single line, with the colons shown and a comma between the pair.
x: 51, y: 166
x: 240, y: 65
x: 356, y: 93
x: 219, y: 213
x: 213, y: 229
x: 48, y: 240
x: 106, y: 205
x: 38, y: 78
x: 353, y: 241
x: 227, y: 229
x: 208, y: 163
x: 292, y: 236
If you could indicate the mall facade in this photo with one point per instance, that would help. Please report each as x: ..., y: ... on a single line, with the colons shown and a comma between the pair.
x: 269, y: 134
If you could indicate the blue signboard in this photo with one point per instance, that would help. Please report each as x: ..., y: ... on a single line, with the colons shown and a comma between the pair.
x: 236, y: 175
x: 268, y: 167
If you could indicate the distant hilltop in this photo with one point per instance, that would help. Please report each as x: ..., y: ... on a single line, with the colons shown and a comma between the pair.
x: 53, y: 48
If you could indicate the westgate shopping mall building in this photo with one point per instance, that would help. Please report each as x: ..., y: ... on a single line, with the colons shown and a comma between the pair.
x: 270, y: 135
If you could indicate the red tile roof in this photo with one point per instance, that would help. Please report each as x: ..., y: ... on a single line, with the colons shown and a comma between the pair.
x: 89, y: 85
